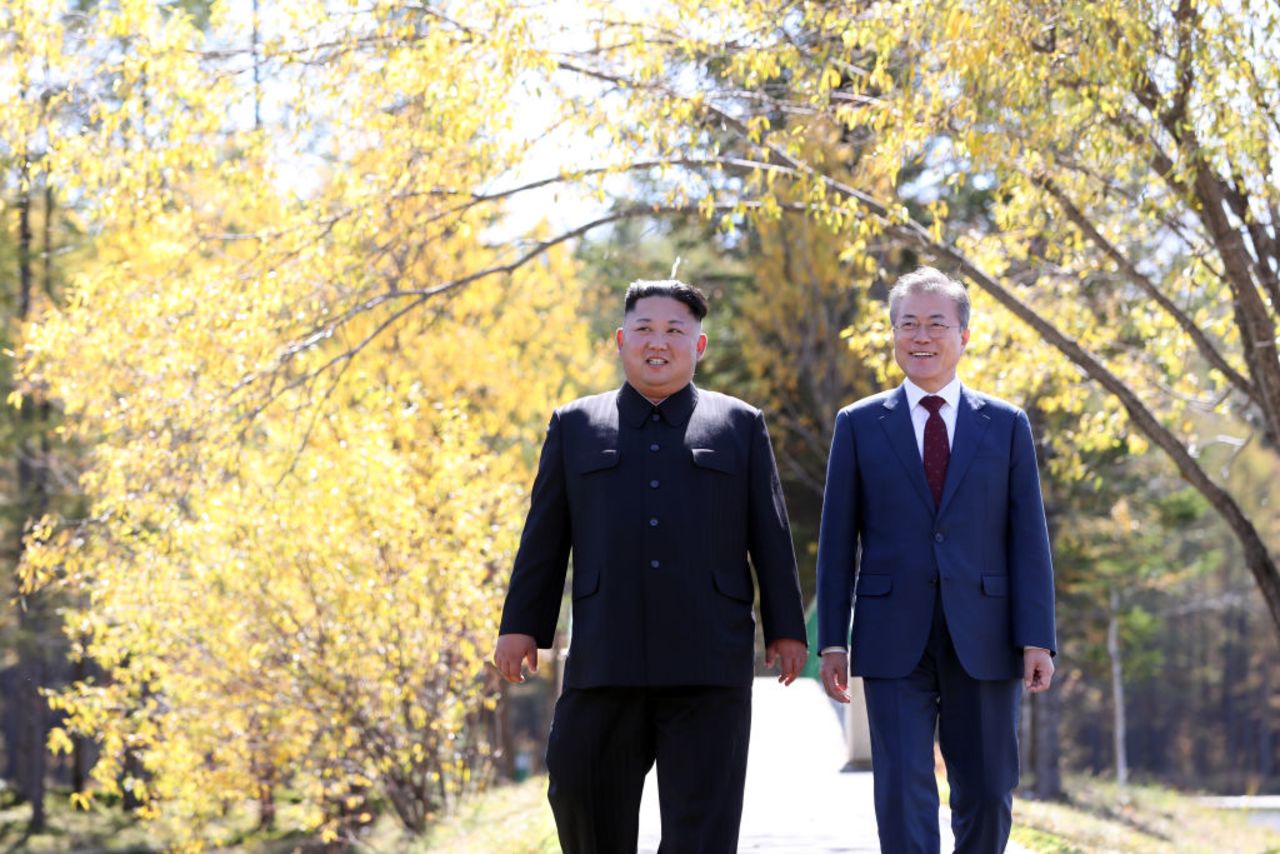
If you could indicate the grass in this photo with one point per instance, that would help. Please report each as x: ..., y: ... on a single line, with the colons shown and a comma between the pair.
x: 101, y: 828
x: 512, y: 819
x: 1101, y: 817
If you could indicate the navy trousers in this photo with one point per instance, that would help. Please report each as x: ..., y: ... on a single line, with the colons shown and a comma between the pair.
x: 604, y: 741
x: 977, y: 725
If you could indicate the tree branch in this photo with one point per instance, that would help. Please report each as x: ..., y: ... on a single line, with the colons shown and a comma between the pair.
x: 416, y: 297
x: 1197, y: 335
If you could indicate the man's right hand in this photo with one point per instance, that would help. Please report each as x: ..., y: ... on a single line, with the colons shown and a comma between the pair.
x: 835, y: 675
x: 514, y: 650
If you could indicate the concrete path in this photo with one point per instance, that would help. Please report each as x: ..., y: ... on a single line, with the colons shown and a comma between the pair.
x: 797, y: 800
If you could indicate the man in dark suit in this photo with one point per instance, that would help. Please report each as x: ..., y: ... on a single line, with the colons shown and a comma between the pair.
x: 934, y: 537
x: 661, y: 491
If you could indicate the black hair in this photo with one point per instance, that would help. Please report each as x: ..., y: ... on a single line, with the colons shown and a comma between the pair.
x: 676, y: 290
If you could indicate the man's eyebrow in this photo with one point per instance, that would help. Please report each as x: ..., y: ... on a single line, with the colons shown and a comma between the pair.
x: 675, y: 320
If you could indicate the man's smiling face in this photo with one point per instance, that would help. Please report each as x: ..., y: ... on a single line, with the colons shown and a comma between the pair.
x: 660, y: 343
x: 929, y: 355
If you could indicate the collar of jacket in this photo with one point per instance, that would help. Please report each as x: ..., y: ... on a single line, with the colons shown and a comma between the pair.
x: 634, y: 407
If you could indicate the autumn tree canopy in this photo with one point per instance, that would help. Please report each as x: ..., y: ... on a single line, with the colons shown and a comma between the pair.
x: 310, y: 409
x: 311, y: 357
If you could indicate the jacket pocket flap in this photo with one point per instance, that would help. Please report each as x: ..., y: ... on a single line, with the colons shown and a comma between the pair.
x: 585, y: 582
x: 594, y: 461
x: 735, y: 586
x: 874, y: 585
x: 995, y: 585
x: 709, y: 458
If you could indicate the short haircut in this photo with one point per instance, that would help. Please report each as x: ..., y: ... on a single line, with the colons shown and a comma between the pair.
x: 676, y: 290
x: 927, y: 280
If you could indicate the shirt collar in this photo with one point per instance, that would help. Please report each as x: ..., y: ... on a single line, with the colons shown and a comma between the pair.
x: 634, y: 407
x: 949, y: 393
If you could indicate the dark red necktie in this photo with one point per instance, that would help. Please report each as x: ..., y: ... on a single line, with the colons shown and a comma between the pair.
x: 937, y: 451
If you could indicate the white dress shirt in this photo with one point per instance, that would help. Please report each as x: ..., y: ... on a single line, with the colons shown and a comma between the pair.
x: 950, y: 393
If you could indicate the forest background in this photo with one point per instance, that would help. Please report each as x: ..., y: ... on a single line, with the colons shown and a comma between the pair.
x: 289, y: 290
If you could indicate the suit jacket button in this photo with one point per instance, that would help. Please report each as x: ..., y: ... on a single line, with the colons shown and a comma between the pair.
x: 655, y: 564
x: 933, y: 582
x: 653, y: 523
x: 937, y: 538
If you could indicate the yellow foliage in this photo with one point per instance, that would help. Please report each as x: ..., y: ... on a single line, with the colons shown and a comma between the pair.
x: 312, y: 389
x: 312, y: 413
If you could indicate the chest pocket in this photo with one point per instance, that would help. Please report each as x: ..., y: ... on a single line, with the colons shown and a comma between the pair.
x: 710, y: 458
x: 596, y: 460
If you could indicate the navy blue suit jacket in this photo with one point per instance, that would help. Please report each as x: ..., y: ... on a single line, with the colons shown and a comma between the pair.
x: 884, y: 548
x: 660, y: 515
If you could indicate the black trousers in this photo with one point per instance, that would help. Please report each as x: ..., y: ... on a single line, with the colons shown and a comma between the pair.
x: 604, y: 741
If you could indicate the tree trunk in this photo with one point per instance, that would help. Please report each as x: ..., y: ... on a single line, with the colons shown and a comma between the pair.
x: 1233, y: 701
x: 1117, y: 687
x: 81, y: 748
x: 1047, y: 749
x: 32, y: 730
x: 1266, y: 733
x: 32, y: 669
x: 10, y: 718
x: 266, y: 802
x: 131, y: 769
x: 504, y: 757
x: 255, y: 41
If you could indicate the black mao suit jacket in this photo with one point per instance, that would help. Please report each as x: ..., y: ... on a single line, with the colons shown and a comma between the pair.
x: 660, y: 507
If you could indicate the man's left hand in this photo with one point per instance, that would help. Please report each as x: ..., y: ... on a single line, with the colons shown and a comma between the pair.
x: 790, y: 655
x: 1037, y: 670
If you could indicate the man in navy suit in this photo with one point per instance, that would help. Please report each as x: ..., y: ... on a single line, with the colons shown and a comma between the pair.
x: 661, y: 491
x: 934, y: 541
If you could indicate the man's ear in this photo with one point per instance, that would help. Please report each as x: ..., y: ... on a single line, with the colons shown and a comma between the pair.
x: 617, y: 337
x: 701, y: 345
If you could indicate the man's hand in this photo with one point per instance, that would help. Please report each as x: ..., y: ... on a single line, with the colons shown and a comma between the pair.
x: 835, y: 675
x: 512, y: 651
x: 790, y: 655
x: 1037, y: 670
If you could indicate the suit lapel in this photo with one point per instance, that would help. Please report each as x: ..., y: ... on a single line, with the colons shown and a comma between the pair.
x: 971, y: 424
x: 901, y: 434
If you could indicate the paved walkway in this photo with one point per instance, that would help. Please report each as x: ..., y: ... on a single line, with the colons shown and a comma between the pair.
x: 797, y: 800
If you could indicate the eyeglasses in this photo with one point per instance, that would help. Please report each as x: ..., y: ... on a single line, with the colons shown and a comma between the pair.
x: 933, y: 330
